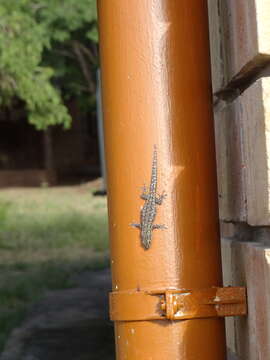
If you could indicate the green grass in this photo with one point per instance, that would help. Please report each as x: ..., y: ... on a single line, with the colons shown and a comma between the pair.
x: 52, y: 218
x: 46, y: 235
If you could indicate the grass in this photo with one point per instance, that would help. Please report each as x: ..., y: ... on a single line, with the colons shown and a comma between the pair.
x: 52, y: 219
x: 46, y: 235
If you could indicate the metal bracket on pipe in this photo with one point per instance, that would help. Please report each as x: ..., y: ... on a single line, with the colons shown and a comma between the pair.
x: 177, y: 304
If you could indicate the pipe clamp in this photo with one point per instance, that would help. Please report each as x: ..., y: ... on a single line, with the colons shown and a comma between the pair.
x: 177, y: 304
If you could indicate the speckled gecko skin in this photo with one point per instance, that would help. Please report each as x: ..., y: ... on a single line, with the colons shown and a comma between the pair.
x: 149, y: 209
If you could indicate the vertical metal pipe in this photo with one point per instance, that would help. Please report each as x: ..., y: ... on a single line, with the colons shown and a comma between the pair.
x: 101, y: 133
x: 157, y: 91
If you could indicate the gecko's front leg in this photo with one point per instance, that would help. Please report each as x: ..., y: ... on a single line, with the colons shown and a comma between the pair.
x: 144, y: 194
x: 160, y: 198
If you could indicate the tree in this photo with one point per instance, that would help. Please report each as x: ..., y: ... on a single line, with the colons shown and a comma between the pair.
x: 48, y: 53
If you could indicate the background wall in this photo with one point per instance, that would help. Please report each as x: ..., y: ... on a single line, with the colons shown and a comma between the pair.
x: 240, y: 55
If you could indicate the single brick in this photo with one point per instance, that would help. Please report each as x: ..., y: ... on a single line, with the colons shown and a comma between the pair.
x: 251, y: 267
x: 230, y: 169
x: 246, y: 28
x: 248, y: 264
x: 253, y: 112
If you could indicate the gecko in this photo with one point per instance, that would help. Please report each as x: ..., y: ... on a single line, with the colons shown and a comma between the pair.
x: 149, y: 209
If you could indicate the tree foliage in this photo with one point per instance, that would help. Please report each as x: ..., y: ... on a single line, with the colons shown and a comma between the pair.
x: 48, y: 53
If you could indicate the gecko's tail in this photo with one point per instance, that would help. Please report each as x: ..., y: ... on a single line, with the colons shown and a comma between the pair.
x: 155, y: 154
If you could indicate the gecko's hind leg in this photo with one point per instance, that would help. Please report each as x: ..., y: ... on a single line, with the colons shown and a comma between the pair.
x: 161, y: 227
x: 138, y: 226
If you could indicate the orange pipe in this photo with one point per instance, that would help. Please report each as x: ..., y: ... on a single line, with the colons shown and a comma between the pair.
x: 157, y: 92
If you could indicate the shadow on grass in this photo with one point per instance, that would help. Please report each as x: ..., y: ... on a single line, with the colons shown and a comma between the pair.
x: 46, y: 238
x: 24, y: 283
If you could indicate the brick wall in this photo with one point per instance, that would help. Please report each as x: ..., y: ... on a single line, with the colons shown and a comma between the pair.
x: 240, y: 55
